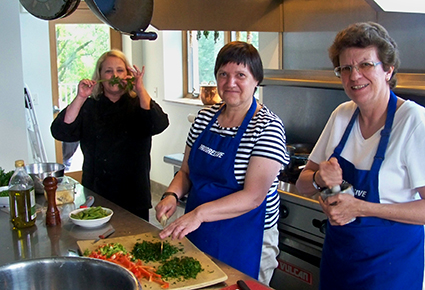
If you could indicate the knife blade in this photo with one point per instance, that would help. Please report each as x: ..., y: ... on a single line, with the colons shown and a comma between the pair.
x: 89, y: 202
x: 163, y: 222
x: 105, y: 235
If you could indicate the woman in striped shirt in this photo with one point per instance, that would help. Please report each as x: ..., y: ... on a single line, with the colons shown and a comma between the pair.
x: 233, y: 154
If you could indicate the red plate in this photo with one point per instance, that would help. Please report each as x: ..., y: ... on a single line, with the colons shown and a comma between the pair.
x: 254, y: 285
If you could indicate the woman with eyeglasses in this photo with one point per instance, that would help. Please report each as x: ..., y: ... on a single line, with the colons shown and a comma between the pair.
x: 374, y: 142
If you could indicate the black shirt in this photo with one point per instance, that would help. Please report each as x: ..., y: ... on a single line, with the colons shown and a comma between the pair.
x: 115, y: 139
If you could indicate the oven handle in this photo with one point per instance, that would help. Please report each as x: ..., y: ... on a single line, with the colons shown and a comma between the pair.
x: 300, y: 254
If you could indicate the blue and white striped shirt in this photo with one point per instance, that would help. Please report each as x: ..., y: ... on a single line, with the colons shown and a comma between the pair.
x: 264, y: 137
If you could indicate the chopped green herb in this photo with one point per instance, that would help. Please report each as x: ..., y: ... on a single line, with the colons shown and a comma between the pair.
x: 149, y: 251
x: 186, y: 267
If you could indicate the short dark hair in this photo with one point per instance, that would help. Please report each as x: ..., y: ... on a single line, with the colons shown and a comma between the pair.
x: 240, y: 52
x: 362, y: 35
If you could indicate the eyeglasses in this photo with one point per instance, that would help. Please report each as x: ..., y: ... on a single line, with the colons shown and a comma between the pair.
x: 363, y: 68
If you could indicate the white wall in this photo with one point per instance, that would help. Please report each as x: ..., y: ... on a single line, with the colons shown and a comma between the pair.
x: 13, y: 144
x: 162, y: 60
x: 36, y: 74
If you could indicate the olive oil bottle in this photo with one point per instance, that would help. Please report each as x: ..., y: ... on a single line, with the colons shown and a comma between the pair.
x: 21, y: 197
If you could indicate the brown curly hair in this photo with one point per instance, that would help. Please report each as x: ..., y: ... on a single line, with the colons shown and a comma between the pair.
x: 362, y: 35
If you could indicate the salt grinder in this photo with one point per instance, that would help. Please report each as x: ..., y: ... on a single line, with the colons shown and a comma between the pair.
x: 52, y: 214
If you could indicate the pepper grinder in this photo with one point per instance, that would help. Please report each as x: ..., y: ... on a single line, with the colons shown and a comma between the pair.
x: 52, y: 214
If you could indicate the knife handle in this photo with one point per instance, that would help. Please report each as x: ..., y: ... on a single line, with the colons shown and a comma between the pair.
x: 163, y: 220
x: 242, y: 285
x: 107, y: 233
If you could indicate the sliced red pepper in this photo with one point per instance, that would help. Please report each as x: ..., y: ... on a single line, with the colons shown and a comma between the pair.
x: 137, y: 268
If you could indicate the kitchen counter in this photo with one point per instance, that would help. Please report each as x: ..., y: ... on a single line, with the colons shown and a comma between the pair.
x: 41, y: 241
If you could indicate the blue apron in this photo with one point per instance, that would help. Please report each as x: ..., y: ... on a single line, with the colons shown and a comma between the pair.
x: 236, y: 241
x: 371, y: 253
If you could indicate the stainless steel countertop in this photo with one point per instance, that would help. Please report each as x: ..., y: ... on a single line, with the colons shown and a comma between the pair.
x: 40, y: 241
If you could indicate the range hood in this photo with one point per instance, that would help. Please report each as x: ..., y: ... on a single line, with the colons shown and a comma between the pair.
x: 408, y: 83
x: 405, y: 6
x: 233, y: 15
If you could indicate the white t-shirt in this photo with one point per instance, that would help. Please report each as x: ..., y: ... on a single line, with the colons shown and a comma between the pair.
x: 403, y: 168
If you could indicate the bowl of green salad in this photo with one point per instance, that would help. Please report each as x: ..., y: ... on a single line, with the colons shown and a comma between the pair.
x: 4, y: 187
x: 4, y: 196
x: 91, y: 217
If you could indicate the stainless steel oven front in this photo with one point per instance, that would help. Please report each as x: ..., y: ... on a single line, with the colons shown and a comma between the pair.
x: 302, y: 227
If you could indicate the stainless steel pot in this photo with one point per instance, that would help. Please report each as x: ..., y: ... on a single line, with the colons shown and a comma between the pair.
x: 50, y: 9
x: 129, y: 17
x: 298, y: 154
x: 66, y: 273
x: 39, y: 171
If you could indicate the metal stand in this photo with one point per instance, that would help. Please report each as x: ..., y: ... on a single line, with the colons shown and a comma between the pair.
x: 36, y: 142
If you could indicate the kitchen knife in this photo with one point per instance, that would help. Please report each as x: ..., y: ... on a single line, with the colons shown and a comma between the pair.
x: 89, y: 202
x: 105, y: 235
x: 163, y: 222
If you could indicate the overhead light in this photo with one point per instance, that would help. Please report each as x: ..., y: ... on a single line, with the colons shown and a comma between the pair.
x: 407, y: 6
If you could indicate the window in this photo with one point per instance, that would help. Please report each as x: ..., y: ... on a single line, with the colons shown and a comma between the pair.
x: 77, y: 53
x: 202, y: 50
x: 76, y: 42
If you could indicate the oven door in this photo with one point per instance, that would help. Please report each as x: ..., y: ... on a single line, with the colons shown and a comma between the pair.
x: 299, y: 263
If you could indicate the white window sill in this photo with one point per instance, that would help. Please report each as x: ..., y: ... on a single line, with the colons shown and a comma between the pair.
x: 187, y: 101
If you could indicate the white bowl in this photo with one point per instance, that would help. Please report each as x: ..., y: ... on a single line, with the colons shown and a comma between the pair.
x: 4, y: 200
x: 91, y: 223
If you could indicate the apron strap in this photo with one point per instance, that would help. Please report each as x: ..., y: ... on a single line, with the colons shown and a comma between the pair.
x: 245, y: 122
x: 385, y: 133
x: 338, y: 149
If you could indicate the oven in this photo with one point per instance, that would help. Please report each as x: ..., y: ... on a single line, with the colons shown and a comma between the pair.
x: 302, y: 225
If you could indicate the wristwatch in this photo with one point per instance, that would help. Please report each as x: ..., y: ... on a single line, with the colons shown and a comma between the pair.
x: 170, y: 193
x: 316, y: 186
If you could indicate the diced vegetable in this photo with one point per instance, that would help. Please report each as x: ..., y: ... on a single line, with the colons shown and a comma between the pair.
x: 116, y: 253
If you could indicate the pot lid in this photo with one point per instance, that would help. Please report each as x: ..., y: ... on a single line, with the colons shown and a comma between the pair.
x: 50, y: 9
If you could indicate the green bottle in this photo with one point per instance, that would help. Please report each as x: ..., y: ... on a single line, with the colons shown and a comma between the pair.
x: 22, y: 197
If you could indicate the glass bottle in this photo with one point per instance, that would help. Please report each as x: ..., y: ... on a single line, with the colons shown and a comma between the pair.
x: 21, y: 197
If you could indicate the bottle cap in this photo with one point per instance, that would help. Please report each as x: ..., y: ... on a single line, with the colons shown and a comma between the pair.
x: 19, y: 163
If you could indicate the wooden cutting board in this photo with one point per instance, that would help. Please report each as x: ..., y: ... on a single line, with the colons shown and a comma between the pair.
x: 211, y: 275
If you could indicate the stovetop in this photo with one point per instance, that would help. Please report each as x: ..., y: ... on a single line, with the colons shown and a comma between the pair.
x: 300, y: 215
x: 288, y: 191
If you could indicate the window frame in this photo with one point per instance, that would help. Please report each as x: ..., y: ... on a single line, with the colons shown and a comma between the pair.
x: 189, y: 94
x: 228, y: 36
x: 82, y: 15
